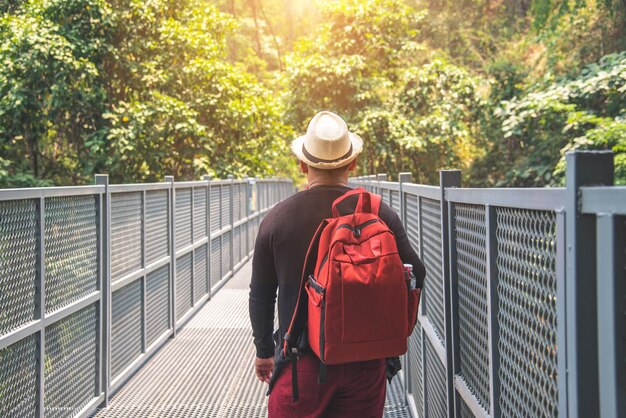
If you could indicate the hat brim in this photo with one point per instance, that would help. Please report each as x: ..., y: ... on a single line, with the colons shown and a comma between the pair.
x: 357, y: 148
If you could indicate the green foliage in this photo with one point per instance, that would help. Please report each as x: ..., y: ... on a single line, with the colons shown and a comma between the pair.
x: 444, y: 107
x: 584, y: 113
x: 50, y: 97
x: 384, y: 133
x: 352, y: 61
x: 136, y: 89
x: 141, y: 89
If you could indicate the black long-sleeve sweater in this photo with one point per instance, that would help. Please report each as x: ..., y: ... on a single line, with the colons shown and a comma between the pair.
x: 281, y: 245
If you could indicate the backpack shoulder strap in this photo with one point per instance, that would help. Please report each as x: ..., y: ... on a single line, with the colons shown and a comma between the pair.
x: 297, y: 320
x: 367, y: 203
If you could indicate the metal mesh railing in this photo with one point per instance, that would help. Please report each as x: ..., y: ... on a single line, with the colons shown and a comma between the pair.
x: 496, y: 302
x: 144, y: 255
x: 71, y: 372
x: 416, y: 386
x: 126, y: 233
x: 471, y: 260
x: 157, y: 304
x: 71, y: 250
x: 527, y: 312
x: 126, y: 336
x: 50, y: 300
x: 156, y: 226
x: 435, y: 383
x: 18, y: 374
x: 431, y: 257
x: 19, y: 232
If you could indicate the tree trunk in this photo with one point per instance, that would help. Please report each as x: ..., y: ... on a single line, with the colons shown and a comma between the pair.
x: 287, y: 6
x: 257, y: 35
x: 269, y: 25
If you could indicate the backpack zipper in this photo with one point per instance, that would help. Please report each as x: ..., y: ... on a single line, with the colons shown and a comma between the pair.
x: 357, y: 233
x: 357, y: 229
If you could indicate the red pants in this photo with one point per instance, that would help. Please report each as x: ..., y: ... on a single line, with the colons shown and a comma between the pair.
x: 355, y: 390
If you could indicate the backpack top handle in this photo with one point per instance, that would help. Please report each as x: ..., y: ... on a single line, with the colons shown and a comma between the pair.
x: 368, y: 202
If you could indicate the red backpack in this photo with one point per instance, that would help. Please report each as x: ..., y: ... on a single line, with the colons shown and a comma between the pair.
x: 359, y: 303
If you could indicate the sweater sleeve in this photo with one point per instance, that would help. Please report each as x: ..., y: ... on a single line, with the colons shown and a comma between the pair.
x: 263, y: 286
x: 405, y: 250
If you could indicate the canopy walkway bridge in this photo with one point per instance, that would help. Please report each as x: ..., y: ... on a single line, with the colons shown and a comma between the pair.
x: 131, y: 300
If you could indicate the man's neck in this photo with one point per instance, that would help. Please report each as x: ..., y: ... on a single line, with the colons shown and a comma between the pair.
x: 314, y: 182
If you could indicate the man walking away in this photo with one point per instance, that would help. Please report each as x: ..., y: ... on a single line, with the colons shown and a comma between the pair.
x: 327, y: 153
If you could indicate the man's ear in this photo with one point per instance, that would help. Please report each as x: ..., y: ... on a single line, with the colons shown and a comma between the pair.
x: 352, y: 165
x: 303, y: 167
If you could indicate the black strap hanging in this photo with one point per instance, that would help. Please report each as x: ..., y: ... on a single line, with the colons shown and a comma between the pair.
x: 321, y: 377
x: 294, y: 374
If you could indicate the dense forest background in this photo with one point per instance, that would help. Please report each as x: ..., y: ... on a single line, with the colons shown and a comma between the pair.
x: 143, y: 88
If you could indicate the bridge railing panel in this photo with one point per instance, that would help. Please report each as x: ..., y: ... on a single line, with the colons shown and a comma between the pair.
x: 94, y: 279
x: 504, y: 283
x: 470, y: 247
x: 50, y: 300
x: 523, y: 310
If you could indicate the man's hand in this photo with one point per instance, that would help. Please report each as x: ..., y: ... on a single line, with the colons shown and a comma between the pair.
x: 263, y: 368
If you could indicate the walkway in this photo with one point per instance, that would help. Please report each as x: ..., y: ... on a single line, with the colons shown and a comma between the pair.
x: 207, y: 370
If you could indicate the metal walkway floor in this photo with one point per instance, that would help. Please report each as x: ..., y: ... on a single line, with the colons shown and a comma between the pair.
x: 206, y: 371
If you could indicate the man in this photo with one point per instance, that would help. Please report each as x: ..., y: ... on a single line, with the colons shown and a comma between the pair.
x: 327, y: 154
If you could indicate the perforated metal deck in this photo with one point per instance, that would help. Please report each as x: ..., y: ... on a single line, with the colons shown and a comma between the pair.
x: 206, y: 371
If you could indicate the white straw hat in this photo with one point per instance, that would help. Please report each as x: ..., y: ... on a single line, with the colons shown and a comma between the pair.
x: 327, y: 143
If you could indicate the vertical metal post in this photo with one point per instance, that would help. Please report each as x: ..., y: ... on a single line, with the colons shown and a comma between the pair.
x: 221, y: 237
x: 561, y: 312
x: 584, y: 168
x: 144, y: 279
x: 405, y: 178
x: 105, y: 266
x: 379, y: 189
x: 208, y: 234
x: 100, y: 287
x: 247, y: 209
x: 448, y: 178
x: 192, y: 273
x: 422, y: 308
x: 40, y: 308
x: 611, y: 320
x: 172, y: 240
x: 231, y: 184
x: 493, y: 308
x: 453, y: 341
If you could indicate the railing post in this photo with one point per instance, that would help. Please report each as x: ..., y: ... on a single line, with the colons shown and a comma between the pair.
x: 584, y: 168
x: 40, y: 307
x: 105, y: 286
x: 172, y: 241
x: 192, y: 254
x: 247, y: 217
x: 144, y: 279
x: 493, y: 307
x: 231, y: 184
x: 405, y: 178
x: 453, y: 336
x: 379, y: 190
x: 448, y: 178
x: 208, y: 234
x: 422, y: 308
x: 611, y: 320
